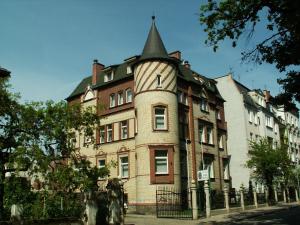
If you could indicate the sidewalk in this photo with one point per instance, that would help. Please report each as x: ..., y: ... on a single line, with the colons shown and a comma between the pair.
x: 134, y: 219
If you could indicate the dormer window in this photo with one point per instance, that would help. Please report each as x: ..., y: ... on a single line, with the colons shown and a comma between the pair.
x: 158, y: 78
x: 129, y: 70
x: 109, y: 76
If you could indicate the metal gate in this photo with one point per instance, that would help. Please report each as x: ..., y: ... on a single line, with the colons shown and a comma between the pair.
x: 173, y: 203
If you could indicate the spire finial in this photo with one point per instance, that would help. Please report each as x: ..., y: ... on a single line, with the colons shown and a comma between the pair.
x: 153, y: 17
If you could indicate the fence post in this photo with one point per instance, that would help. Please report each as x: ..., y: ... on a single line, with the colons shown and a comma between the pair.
x: 297, y: 196
x: 226, y: 198
x: 207, y: 198
x: 275, y: 194
x: 255, y: 198
x: 194, y: 200
x: 242, y: 198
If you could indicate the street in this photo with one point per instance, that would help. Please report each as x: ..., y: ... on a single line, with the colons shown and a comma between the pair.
x: 270, y: 215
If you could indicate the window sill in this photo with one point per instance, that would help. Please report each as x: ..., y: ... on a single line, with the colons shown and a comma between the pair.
x: 163, y: 130
x: 221, y: 149
x: 204, y: 111
x: 161, y: 174
x: 204, y: 143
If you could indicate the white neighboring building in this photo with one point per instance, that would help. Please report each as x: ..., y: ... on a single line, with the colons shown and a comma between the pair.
x: 249, y: 117
x: 290, y: 119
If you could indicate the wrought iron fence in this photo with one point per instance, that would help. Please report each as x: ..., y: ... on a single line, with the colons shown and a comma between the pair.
x: 261, y: 198
x: 280, y: 195
x: 217, y: 199
x: 234, y: 198
x: 173, y: 203
x: 248, y: 197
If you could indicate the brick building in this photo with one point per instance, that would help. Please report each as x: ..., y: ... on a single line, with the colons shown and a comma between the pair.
x: 160, y: 121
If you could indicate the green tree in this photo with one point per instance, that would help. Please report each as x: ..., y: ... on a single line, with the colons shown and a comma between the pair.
x: 40, y: 138
x: 267, y: 163
x: 229, y: 19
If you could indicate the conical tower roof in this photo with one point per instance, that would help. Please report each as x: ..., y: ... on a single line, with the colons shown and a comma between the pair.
x: 154, y: 47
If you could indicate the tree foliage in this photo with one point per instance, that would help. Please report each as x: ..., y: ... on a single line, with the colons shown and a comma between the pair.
x: 269, y: 165
x: 229, y: 19
x: 38, y: 139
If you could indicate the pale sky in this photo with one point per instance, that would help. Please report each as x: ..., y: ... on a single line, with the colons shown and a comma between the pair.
x: 49, y: 45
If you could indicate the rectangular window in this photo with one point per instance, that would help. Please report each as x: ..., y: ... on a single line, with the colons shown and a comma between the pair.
x: 160, y: 118
x: 124, y: 129
x: 269, y: 122
x: 124, y: 166
x: 201, y: 133
x: 221, y: 141
x: 161, y: 162
x: 218, y: 114
x: 120, y: 98
x: 109, y: 132
x: 209, y: 165
x: 129, y: 70
x: 158, y: 78
x: 226, y: 169
x: 203, y: 104
x: 251, y: 136
x: 250, y: 113
x: 101, y: 163
x: 102, y: 134
x: 209, y: 135
x: 112, y: 100
x: 109, y: 76
x: 128, y: 95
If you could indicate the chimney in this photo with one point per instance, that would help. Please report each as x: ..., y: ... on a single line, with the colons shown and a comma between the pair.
x: 187, y: 65
x: 97, y: 68
x: 176, y: 55
x: 267, y: 96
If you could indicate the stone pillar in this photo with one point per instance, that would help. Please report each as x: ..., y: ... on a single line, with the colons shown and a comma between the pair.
x: 267, y: 195
x: 275, y: 194
x: 226, y: 197
x: 194, y: 200
x: 255, y: 198
x: 207, y: 198
x: 297, y: 196
x: 242, y: 198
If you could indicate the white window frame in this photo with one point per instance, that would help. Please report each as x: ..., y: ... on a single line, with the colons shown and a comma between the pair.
x: 102, y: 132
x: 210, y: 167
x: 209, y: 135
x: 128, y: 97
x: 112, y: 100
x: 220, y: 141
x: 204, y: 105
x: 161, y: 158
x: 164, y: 116
x: 121, y: 166
x: 120, y: 98
x: 226, y: 170
x: 109, y: 76
x: 218, y: 114
x: 99, y: 164
x: 124, y: 129
x: 128, y: 70
x: 109, y: 132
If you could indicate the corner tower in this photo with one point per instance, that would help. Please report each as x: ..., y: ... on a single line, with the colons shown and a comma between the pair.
x: 157, y: 139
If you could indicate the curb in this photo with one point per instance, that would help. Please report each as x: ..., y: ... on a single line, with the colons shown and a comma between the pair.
x: 270, y: 211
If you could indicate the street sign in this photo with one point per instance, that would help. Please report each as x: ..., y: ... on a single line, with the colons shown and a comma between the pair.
x: 202, y: 175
